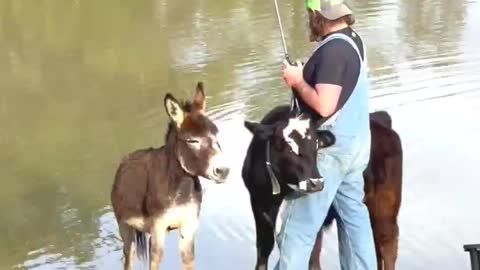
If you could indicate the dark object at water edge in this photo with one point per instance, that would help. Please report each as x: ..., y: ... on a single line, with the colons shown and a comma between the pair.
x: 474, y: 251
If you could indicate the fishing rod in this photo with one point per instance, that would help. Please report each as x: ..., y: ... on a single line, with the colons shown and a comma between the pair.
x: 294, y: 99
x: 282, y: 35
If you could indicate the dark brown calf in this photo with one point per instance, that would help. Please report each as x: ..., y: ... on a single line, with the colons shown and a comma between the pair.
x: 157, y: 190
x: 383, y: 192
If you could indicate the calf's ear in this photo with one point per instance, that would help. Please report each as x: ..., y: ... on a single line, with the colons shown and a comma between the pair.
x: 325, y: 138
x: 262, y: 131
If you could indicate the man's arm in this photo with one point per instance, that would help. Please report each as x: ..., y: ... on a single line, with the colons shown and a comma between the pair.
x: 323, y: 98
x: 328, y: 79
x: 330, y: 63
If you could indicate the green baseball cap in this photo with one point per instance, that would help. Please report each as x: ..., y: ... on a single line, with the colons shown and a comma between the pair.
x: 330, y: 9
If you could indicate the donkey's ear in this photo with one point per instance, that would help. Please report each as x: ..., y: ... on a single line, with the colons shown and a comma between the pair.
x: 199, y: 98
x: 325, y: 138
x: 174, y: 110
x: 262, y: 131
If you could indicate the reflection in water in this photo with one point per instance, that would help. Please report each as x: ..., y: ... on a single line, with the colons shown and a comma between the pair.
x: 83, y: 83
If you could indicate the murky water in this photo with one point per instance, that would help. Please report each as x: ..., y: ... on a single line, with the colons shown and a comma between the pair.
x: 82, y: 83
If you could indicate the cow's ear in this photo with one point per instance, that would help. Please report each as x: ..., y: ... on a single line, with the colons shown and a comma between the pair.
x: 262, y: 131
x: 325, y: 138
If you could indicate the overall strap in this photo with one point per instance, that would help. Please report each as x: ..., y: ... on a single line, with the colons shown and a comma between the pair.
x: 332, y: 119
x: 346, y: 38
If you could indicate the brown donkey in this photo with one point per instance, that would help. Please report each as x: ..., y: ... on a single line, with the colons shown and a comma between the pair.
x: 157, y: 190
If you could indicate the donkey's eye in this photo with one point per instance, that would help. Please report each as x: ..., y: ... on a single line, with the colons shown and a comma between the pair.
x: 193, y: 141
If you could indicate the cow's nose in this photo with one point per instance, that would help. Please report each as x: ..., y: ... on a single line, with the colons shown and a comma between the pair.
x: 315, y: 185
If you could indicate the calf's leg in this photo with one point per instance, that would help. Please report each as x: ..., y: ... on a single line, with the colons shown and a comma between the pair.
x: 378, y: 249
x: 390, y: 254
x: 264, y: 223
x: 389, y: 247
x: 314, y: 263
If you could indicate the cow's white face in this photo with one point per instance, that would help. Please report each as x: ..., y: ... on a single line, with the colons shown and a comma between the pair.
x: 296, y: 127
x: 293, y: 152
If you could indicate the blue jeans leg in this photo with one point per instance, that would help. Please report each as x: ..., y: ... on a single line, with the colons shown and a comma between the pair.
x: 356, y: 244
x: 302, y: 217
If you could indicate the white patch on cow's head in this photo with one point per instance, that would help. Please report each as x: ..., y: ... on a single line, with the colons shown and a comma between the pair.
x: 299, y: 125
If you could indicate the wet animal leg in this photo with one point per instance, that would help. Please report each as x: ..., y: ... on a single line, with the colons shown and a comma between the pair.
x: 265, y: 237
x: 187, y: 243
x: 127, y: 235
x: 157, y: 240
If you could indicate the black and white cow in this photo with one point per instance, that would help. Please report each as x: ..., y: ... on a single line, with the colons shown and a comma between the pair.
x: 280, y: 159
x: 292, y: 162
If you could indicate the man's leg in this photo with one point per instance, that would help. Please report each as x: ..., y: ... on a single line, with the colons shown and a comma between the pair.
x: 356, y: 244
x: 300, y: 219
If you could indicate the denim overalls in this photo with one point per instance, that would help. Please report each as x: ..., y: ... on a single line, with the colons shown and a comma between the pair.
x: 342, y: 166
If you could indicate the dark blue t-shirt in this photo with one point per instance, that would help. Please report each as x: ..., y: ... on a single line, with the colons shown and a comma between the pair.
x: 336, y: 62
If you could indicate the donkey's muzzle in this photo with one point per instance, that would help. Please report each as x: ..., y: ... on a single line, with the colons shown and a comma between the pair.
x: 221, y: 172
x: 218, y: 170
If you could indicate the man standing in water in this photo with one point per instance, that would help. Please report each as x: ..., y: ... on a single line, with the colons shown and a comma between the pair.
x: 332, y: 87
